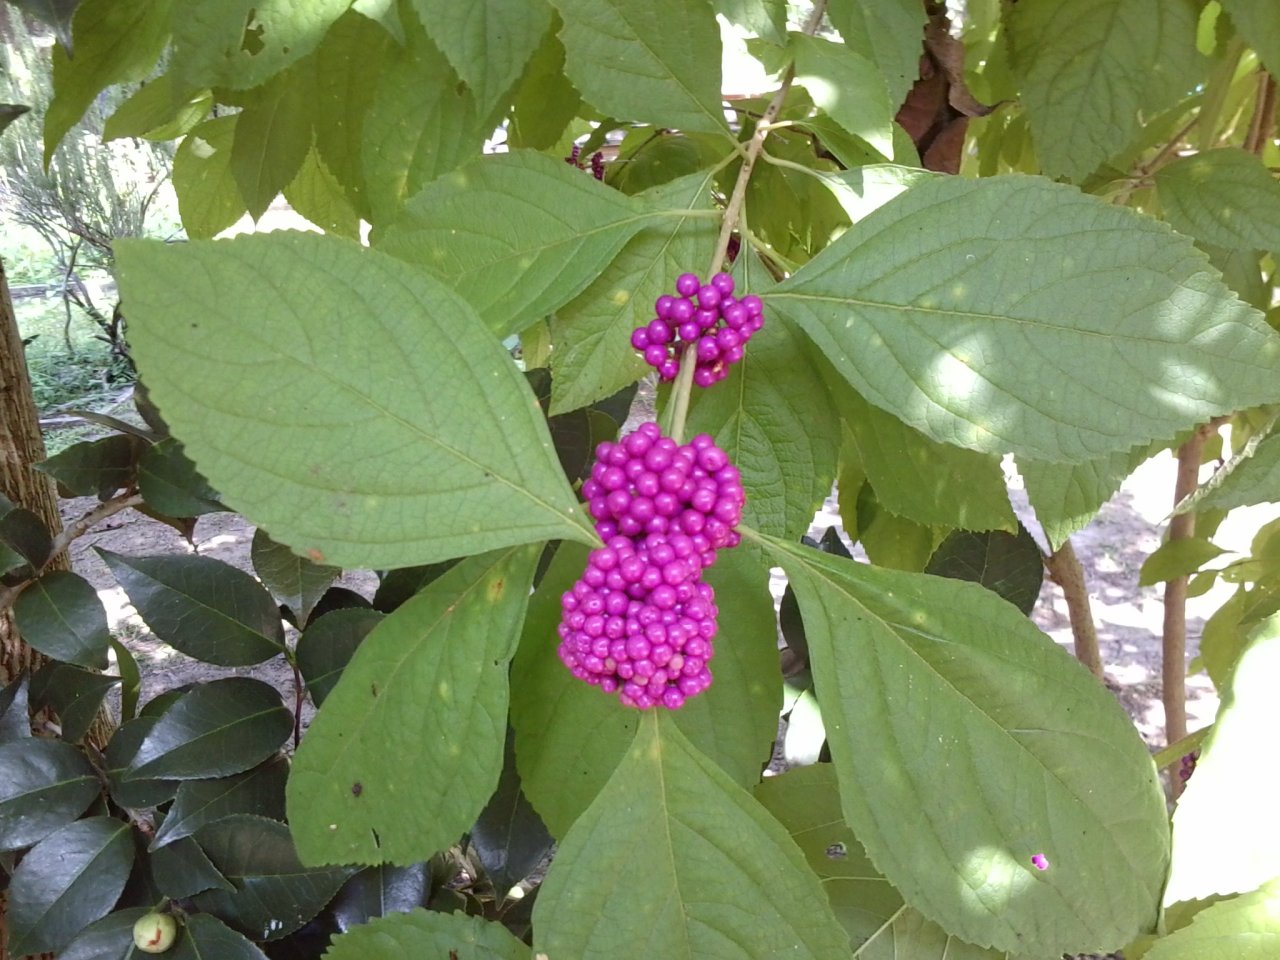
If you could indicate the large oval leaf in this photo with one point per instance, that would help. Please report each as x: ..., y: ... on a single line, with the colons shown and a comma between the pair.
x: 967, y: 742
x: 206, y: 608
x: 424, y: 934
x: 65, y: 882
x: 408, y: 746
x: 295, y: 581
x: 1224, y: 197
x: 219, y: 728
x: 409, y: 438
x: 1012, y: 314
x: 44, y: 784
x: 1243, y: 928
x: 259, y: 791
x: 327, y: 645
x: 674, y: 860
x: 61, y: 616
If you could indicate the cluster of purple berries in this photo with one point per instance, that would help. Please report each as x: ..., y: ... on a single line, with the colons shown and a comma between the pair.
x: 640, y: 621
x: 705, y: 318
x: 597, y: 161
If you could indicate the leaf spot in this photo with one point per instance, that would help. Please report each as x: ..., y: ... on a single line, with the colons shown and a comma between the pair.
x: 497, y: 589
x: 357, y: 788
x: 315, y: 555
x: 837, y: 851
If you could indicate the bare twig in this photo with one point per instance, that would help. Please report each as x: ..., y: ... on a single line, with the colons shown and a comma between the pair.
x: 1065, y: 570
x: 102, y: 511
x: 1264, y: 109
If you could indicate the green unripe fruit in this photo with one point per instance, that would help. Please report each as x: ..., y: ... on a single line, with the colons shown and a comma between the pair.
x: 155, y: 932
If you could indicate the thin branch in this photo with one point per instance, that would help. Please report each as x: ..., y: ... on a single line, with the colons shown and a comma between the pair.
x: 1065, y: 570
x: 1264, y: 108
x: 78, y: 528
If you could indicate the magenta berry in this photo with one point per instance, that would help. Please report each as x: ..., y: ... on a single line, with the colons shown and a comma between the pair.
x: 699, y: 313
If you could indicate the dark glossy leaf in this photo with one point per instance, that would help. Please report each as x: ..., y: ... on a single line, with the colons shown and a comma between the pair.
x: 73, y: 694
x: 1009, y: 565
x: 121, y: 749
x: 428, y: 933
x: 204, y: 607
x: 397, y: 586
x: 327, y: 645
x: 274, y: 893
x: 381, y: 890
x: 10, y: 112
x: 44, y: 785
x: 208, y: 938
x: 219, y: 728
x: 96, y: 468
x: 15, y: 720
x: 130, y: 680
x: 295, y: 581
x: 65, y: 882
x: 182, y: 869
x: 259, y: 791
x: 24, y: 534
x: 509, y: 838
x: 110, y: 938
x: 61, y: 616
x: 56, y: 13
x: 170, y: 483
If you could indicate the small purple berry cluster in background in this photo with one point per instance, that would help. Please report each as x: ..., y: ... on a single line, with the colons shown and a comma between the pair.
x: 597, y: 161
x: 640, y: 621
x: 705, y: 318
x: 1187, y: 765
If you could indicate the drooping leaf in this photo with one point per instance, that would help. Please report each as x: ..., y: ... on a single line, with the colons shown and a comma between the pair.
x: 72, y: 693
x: 208, y: 198
x: 396, y: 476
x: 327, y: 645
x: 208, y: 609
x: 560, y: 229
x: 56, y: 13
x: 848, y: 87
x: 170, y: 484
x: 65, y: 882
x: 648, y: 869
x: 113, y: 43
x: 15, y: 719
x: 379, y: 740
x: 295, y: 581
x: 182, y: 869
x: 242, y: 43
x: 1256, y: 22
x: 1007, y: 564
x: 219, y: 728
x: 1225, y: 197
x: 508, y: 837
x: 1024, y: 772
x: 95, y: 468
x: 60, y: 615
x: 259, y: 791
x: 1089, y: 70
x: 158, y: 111
x: 960, y: 305
x: 317, y: 195
x: 1066, y: 496
x: 889, y: 33
x: 130, y: 680
x: 423, y: 933
x: 1224, y: 838
x: 110, y: 938
x: 1251, y: 477
x: 656, y: 62
x: 206, y: 938
x: 545, y: 101
x: 593, y: 356
x: 381, y: 891
x: 274, y: 893
x: 121, y: 749
x: 489, y: 43
x: 1243, y: 928
x: 10, y: 112
x: 44, y: 785
x: 1177, y: 558
x: 273, y: 137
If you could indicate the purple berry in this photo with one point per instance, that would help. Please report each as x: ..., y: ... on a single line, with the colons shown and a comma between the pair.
x: 708, y: 297
x: 723, y: 282
x: 640, y: 338
x: 687, y: 284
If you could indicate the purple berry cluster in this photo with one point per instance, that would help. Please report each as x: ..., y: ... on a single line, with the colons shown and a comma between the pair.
x: 597, y: 161
x: 640, y: 621
x: 705, y: 318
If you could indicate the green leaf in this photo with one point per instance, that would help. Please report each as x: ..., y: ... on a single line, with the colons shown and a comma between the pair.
x: 121, y: 749
x: 509, y: 838
x: 545, y: 101
x: 96, y: 468
x: 274, y: 893
x: 327, y: 645
x: 889, y: 33
x: 130, y: 679
x: 1177, y: 558
x: 61, y: 616
x: 219, y: 728
x: 561, y: 771
x: 243, y: 43
x: 24, y: 539
x: 1251, y: 477
x: 397, y: 586
x: 207, y: 938
x: 1225, y: 839
x: 675, y: 860
x: 910, y: 934
x: 1016, y: 723
x: 1091, y: 69
x: 158, y: 111
x: 560, y: 229
x: 317, y: 195
x: 1243, y: 928
x: 259, y: 791
x: 397, y: 476
x: 65, y: 882
x: 365, y: 751
x: 1224, y: 197
x: 379, y: 891
x: 273, y: 137
x: 774, y: 418
x: 114, y: 43
x: 56, y: 13
x: 110, y: 938
x: 765, y: 18
x: 865, y: 189
x: 44, y: 785
x: 848, y: 87
x: 428, y: 934
x: 170, y: 484
x: 1066, y: 496
x: 295, y: 581
x: 488, y: 43
x: 73, y: 694
x: 656, y: 62
x: 206, y: 608
x: 593, y: 356
x: 962, y: 305
x: 15, y: 719
x: 182, y: 869
x: 422, y: 123
x: 10, y: 112
x: 209, y: 200
x: 1255, y: 21
x: 1007, y: 564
